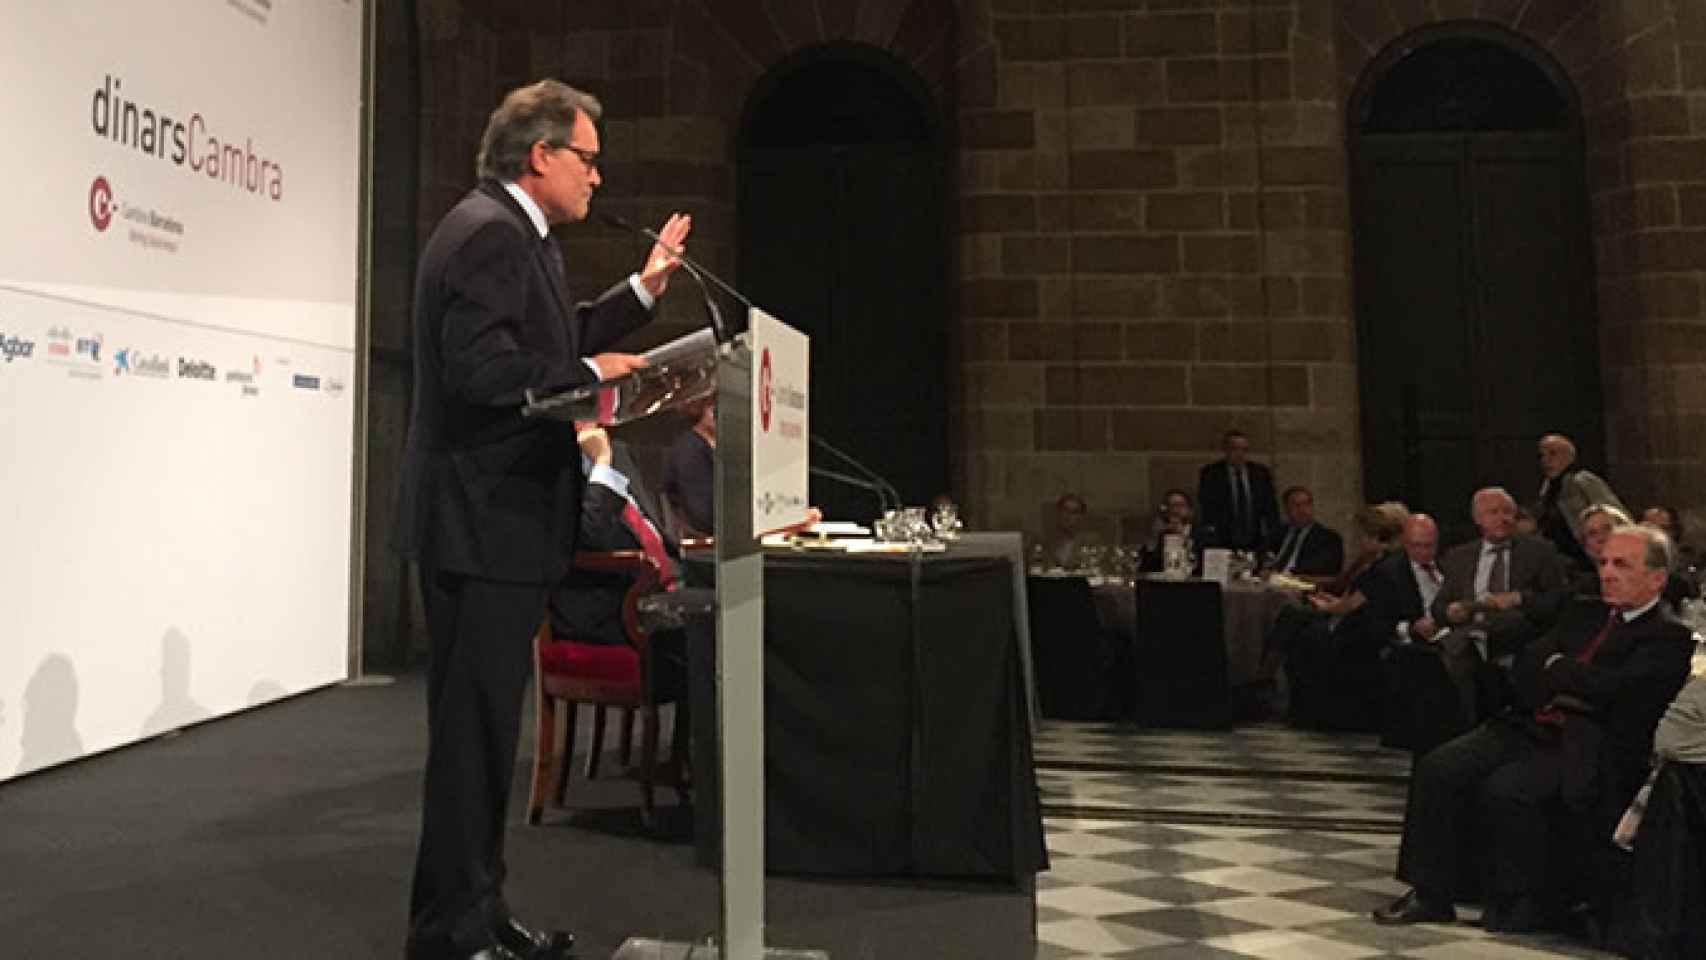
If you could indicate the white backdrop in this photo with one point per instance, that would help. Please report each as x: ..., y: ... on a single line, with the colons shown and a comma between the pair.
x: 177, y: 333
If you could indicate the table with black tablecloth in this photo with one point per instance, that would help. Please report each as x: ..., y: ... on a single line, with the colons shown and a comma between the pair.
x: 1158, y: 649
x: 896, y: 735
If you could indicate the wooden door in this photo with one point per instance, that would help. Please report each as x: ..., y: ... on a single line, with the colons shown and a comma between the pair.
x: 1475, y: 315
x: 848, y: 244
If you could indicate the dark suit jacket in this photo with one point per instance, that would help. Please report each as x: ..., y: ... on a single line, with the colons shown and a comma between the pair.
x: 486, y: 492
x: 1322, y: 553
x: 1617, y: 697
x: 1535, y: 570
x: 1214, y: 504
x: 1396, y: 597
x: 588, y: 605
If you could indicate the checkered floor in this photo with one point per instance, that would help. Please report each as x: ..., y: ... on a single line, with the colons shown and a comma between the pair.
x: 1261, y: 842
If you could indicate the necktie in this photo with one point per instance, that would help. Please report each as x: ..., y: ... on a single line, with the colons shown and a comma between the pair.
x: 1552, y: 716
x: 1288, y: 550
x: 1433, y: 573
x: 1240, y: 504
x: 650, y: 542
x: 1498, y: 578
x: 554, y: 255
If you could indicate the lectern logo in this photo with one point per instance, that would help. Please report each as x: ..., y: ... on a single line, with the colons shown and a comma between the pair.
x: 764, y: 378
x: 100, y: 203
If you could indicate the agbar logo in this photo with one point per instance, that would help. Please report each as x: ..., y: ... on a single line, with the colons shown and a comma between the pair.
x: 16, y: 348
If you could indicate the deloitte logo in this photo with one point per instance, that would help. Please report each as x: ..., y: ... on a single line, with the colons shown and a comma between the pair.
x: 189, y: 369
x: 16, y: 348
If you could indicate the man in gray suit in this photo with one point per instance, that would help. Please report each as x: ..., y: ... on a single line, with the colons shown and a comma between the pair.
x: 1501, y: 591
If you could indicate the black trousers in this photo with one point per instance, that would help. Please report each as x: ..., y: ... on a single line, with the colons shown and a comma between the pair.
x: 1495, y: 782
x: 482, y: 656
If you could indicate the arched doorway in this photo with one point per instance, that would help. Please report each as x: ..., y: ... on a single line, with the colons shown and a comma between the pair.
x: 1474, y: 275
x: 842, y: 234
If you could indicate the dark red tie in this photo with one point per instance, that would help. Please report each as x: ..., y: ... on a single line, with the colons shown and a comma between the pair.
x: 650, y: 542
x: 1552, y: 716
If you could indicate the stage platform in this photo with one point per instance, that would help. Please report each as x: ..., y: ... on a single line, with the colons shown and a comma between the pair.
x: 289, y: 832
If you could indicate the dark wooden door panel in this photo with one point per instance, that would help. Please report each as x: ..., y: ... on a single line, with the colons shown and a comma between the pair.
x: 1475, y: 314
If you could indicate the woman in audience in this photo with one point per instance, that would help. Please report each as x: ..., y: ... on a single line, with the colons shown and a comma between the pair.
x: 1598, y: 520
x: 1330, y: 654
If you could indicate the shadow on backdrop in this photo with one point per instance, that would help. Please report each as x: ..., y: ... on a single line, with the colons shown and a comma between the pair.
x: 176, y: 709
x: 49, y: 733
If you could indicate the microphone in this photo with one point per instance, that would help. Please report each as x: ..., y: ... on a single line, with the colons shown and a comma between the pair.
x: 883, y: 486
x: 882, y: 497
x: 698, y: 271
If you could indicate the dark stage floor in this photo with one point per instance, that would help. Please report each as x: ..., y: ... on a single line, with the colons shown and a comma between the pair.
x: 289, y: 832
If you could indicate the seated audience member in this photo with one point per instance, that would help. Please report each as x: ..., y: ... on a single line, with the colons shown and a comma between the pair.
x: 1065, y: 543
x: 1500, y: 592
x: 1175, y: 516
x: 1591, y: 691
x: 1307, y: 549
x: 1333, y: 664
x: 1685, y: 584
x: 690, y: 472
x: 618, y: 513
x: 1597, y: 521
x: 1409, y: 581
x: 1566, y: 489
x: 1422, y: 708
x: 1235, y: 499
x: 1665, y: 916
x: 1326, y: 634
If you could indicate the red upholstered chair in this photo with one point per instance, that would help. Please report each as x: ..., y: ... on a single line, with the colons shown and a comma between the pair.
x: 569, y: 673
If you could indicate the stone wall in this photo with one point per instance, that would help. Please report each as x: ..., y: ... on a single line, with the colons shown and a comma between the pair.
x: 1150, y: 209
x: 1153, y: 250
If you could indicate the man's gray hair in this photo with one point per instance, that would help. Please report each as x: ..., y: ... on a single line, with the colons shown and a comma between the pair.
x: 1619, y: 519
x: 539, y: 111
x: 1660, y: 553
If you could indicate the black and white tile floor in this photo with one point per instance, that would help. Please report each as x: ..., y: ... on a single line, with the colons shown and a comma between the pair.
x: 1261, y: 842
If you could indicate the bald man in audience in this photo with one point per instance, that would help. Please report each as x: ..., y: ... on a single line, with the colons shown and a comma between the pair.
x: 1566, y: 489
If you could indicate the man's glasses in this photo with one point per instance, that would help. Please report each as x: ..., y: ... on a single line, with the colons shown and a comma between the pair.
x: 588, y: 157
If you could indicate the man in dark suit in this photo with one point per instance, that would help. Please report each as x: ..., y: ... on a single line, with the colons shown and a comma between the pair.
x: 618, y: 512
x: 1501, y: 591
x: 489, y: 499
x: 1591, y: 692
x: 1235, y: 499
x: 1306, y: 548
x: 1422, y: 707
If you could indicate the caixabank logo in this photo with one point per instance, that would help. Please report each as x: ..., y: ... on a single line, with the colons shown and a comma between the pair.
x: 132, y: 362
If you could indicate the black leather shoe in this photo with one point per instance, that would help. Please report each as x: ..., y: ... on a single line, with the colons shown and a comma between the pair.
x: 1521, y: 915
x: 529, y: 944
x: 1412, y: 908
